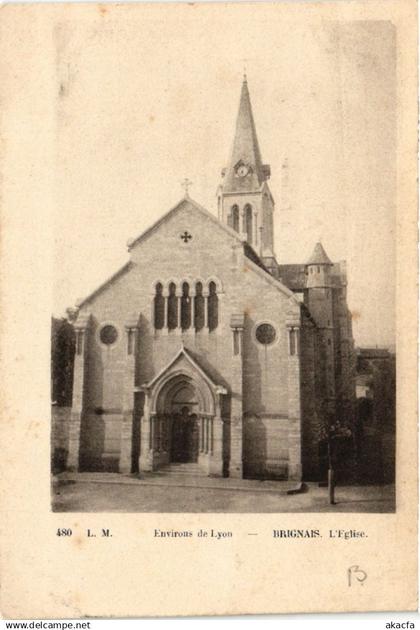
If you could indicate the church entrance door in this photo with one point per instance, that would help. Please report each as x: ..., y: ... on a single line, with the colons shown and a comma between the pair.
x: 184, y: 437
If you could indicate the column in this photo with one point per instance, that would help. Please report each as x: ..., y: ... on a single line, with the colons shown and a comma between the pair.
x: 192, y: 310
x: 216, y: 438
x: 146, y: 436
x: 236, y: 419
x: 165, y: 311
x: 294, y: 404
x: 156, y: 433
x: 255, y: 232
x: 178, y: 293
x: 79, y: 382
x: 152, y: 433
x: 206, y: 310
x: 221, y: 313
x: 131, y: 329
x: 242, y: 224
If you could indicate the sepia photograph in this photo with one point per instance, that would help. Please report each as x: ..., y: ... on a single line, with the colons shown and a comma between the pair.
x: 237, y: 352
x: 209, y: 306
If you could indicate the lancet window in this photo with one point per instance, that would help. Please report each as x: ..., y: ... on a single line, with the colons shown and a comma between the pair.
x: 159, y: 307
x: 233, y: 218
x: 172, y: 307
x: 188, y: 307
x: 185, y: 307
x: 213, y: 305
x: 199, y: 307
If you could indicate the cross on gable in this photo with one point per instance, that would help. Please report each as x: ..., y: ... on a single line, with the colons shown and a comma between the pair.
x: 186, y: 236
x: 186, y: 183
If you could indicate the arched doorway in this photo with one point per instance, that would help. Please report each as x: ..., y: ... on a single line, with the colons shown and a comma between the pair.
x: 184, y: 437
x: 181, y: 406
x: 182, y: 420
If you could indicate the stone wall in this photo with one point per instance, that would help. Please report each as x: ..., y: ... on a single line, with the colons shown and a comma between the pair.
x: 242, y: 288
x: 60, y: 423
x: 312, y: 395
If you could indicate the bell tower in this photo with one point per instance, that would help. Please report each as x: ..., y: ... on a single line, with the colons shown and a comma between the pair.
x: 244, y: 199
x: 319, y: 300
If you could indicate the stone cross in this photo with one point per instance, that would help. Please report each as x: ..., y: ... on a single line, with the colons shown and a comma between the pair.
x: 186, y: 183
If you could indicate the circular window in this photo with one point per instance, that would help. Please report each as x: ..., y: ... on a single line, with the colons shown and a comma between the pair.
x: 265, y: 334
x: 108, y: 335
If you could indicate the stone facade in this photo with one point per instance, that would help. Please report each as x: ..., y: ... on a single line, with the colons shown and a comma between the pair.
x: 199, y: 351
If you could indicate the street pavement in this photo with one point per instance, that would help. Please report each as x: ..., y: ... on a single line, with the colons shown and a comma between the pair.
x: 87, y: 492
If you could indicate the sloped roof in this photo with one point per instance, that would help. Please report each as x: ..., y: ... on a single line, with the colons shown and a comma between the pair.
x: 252, y: 255
x: 293, y: 276
x: 81, y: 302
x: 319, y: 256
x: 185, y: 200
x: 245, y: 150
x: 248, y: 250
x: 183, y: 352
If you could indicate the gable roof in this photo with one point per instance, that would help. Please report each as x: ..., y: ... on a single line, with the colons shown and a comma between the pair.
x: 249, y: 252
x: 183, y: 352
x: 185, y: 200
x: 83, y: 301
x: 262, y: 272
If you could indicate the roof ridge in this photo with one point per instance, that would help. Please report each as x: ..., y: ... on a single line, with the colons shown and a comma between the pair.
x: 133, y: 242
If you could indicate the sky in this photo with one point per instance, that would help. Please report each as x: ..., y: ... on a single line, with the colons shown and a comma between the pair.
x: 143, y: 103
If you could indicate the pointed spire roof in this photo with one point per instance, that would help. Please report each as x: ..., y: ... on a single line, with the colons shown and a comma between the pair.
x: 245, y: 151
x: 319, y: 256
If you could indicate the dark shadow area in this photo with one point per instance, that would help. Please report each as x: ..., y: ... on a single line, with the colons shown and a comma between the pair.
x: 254, y: 448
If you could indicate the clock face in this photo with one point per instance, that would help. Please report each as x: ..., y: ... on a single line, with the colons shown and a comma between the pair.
x: 242, y: 170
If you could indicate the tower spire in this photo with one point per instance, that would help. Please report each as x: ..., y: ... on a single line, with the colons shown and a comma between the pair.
x: 246, y: 170
x: 244, y: 201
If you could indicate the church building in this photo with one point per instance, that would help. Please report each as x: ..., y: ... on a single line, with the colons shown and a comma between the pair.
x: 203, y: 354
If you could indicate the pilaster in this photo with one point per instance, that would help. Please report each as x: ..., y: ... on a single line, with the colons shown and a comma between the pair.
x: 81, y: 327
x: 131, y: 328
x: 146, y: 435
x: 236, y: 418
x: 294, y: 399
x: 216, y: 441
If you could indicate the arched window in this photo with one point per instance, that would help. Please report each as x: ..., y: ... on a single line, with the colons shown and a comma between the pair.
x: 248, y: 222
x: 185, y: 306
x: 199, y: 307
x: 213, y: 316
x: 293, y: 341
x: 159, y: 310
x: 233, y: 218
x: 172, y: 307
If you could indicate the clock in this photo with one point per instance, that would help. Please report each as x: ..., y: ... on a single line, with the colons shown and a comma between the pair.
x: 242, y: 170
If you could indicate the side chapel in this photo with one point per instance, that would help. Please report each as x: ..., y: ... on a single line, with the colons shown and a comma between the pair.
x: 216, y: 360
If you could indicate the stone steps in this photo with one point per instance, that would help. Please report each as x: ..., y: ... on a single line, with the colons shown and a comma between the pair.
x: 190, y: 469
